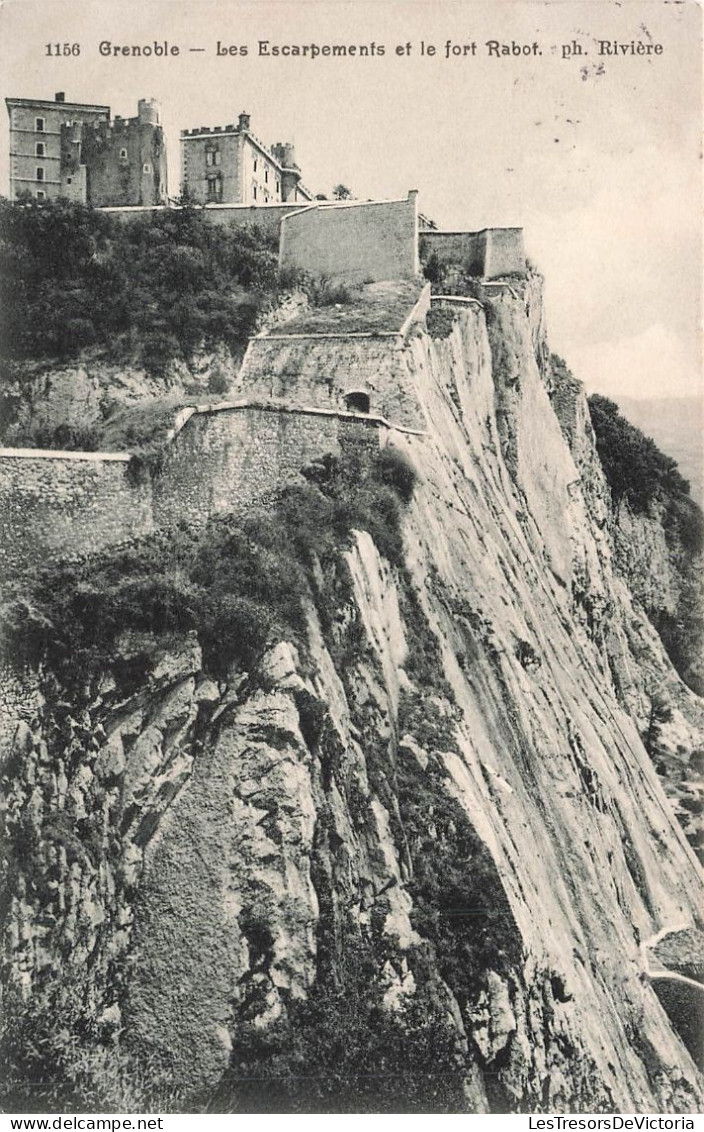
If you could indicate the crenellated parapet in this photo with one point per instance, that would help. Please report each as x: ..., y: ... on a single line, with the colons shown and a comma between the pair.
x: 63, y: 149
x: 231, y: 165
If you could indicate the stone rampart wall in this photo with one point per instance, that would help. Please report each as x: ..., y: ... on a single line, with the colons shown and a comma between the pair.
x: 53, y: 503
x: 325, y: 371
x: 488, y: 254
x: 359, y: 241
x: 267, y: 216
x: 59, y: 504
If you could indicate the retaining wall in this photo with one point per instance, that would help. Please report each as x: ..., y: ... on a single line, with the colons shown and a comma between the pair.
x: 59, y: 504
x: 52, y: 503
x: 488, y: 254
x: 265, y: 216
x: 322, y: 371
x: 356, y: 241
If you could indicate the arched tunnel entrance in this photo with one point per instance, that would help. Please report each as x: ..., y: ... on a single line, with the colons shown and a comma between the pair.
x: 357, y: 401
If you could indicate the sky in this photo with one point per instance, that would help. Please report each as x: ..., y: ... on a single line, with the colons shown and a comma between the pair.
x: 597, y: 156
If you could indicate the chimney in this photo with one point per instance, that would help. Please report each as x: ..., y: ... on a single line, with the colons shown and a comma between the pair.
x: 243, y: 122
x: 59, y: 96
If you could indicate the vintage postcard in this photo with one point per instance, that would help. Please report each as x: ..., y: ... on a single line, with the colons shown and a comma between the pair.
x: 351, y: 730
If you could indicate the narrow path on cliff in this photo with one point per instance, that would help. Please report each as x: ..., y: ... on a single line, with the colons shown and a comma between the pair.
x: 681, y: 997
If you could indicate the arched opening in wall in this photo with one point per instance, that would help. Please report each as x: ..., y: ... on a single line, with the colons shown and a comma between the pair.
x: 357, y: 401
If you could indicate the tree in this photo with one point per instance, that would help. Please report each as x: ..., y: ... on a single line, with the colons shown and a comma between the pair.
x: 341, y: 192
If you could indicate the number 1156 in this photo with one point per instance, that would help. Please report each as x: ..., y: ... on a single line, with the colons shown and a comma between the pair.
x: 63, y: 49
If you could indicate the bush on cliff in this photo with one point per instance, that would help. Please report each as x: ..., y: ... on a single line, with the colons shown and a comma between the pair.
x: 235, y: 584
x: 151, y: 288
x: 635, y: 468
x: 343, y: 1051
x: 639, y: 474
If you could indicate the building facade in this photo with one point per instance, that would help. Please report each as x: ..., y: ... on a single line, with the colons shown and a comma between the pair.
x: 75, y: 150
x: 37, y: 132
x: 229, y: 165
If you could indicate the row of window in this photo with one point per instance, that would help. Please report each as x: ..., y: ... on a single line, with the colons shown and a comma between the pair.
x: 214, y: 189
x: 40, y: 124
x: 213, y: 157
x: 40, y: 151
x: 40, y: 171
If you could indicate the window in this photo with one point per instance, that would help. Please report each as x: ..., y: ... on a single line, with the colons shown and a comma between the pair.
x: 212, y: 157
x: 215, y: 187
x: 39, y: 125
x: 41, y: 195
x: 40, y: 172
x: 254, y: 192
x: 123, y: 155
x: 39, y: 149
x: 266, y: 174
x: 255, y: 164
x: 146, y: 168
x: 69, y: 180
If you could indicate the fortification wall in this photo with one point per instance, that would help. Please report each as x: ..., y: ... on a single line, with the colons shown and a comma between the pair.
x: 323, y: 371
x: 52, y: 503
x: 225, y: 460
x: 465, y: 249
x: 362, y: 242
x: 58, y: 504
x: 266, y: 216
x: 505, y: 252
x: 489, y: 254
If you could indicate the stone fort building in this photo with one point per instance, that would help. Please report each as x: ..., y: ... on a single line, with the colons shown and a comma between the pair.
x: 229, y: 165
x: 75, y: 150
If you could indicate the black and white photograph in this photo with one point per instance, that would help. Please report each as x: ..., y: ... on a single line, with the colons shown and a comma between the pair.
x: 351, y: 474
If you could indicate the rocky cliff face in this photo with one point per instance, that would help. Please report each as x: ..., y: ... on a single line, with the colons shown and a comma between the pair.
x: 413, y: 857
x: 74, y: 405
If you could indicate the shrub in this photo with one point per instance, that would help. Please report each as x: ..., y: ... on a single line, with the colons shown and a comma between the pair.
x: 52, y: 1060
x: 434, y: 270
x: 440, y: 321
x: 159, y: 284
x: 635, y: 468
x: 159, y: 348
x: 218, y: 380
x: 342, y: 1051
x: 394, y: 469
x: 325, y: 292
x: 239, y: 583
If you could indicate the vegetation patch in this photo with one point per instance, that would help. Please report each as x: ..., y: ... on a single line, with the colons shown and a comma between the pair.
x: 440, y: 321
x: 459, y: 900
x: 345, y: 309
x: 635, y: 468
x: 237, y: 583
x: 149, y: 289
x: 55, y: 1057
x: 639, y: 474
x: 343, y: 1051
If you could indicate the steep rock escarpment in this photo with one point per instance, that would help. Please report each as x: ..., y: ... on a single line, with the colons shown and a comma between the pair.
x: 412, y: 857
x: 656, y: 553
